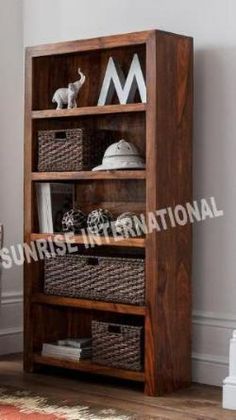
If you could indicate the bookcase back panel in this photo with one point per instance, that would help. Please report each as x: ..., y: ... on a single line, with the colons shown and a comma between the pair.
x: 56, y: 323
x: 51, y: 324
x: 56, y: 71
x: 118, y: 196
x: 131, y: 127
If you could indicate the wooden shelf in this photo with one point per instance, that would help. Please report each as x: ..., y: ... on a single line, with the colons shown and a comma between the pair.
x: 79, y: 240
x: 88, y: 175
x: 89, y: 304
x: 89, y: 366
x: 88, y: 110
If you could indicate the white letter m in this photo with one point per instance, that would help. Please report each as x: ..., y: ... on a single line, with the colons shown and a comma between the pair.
x: 114, y: 80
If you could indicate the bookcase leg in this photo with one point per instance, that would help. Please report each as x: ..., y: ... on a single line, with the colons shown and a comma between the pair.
x: 31, y: 367
x: 148, y: 390
x: 150, y: 386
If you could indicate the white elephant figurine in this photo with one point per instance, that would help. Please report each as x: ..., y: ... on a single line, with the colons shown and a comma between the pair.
x: 68, y: 96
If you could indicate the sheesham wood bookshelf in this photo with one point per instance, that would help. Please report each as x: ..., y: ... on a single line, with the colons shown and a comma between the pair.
x: 162, y: 130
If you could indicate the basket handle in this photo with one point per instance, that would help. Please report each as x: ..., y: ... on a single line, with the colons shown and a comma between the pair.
x: 61, y: 135
x: 92, y: 261
x: 114, y: 329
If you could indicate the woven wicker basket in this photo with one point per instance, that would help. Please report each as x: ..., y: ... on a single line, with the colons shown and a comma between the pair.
x: 98, y: 278
x: 117, y: 345
x: 70, y: 150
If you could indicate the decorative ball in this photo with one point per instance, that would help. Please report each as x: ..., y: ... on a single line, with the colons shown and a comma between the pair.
x: 98, y: 221
x: 125, y: 223
x: 73, y: 221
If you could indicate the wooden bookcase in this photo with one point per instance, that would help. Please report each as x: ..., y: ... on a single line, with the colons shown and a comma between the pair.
x: 162, y: 130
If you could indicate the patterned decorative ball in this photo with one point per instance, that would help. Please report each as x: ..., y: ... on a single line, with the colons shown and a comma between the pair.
x: 125, y: 223
x: 73, y: 221
x: 98, y: 220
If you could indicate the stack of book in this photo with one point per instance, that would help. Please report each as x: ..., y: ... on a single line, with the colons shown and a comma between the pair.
x: 69, y: 348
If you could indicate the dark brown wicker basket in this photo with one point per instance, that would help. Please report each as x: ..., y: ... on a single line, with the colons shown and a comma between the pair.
x: 98, y: 278
x: 70, y: 150
x: 117, y: 345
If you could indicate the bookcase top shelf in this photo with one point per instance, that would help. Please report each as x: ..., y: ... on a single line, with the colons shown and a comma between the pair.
x: 100, y: 43
x: 93, y: 44
x: 89, y: 110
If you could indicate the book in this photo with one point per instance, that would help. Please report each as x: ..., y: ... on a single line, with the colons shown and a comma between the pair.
x: 65, y: 351
x: 75, y: 342
x: 53, y: 201
x: 66, y: 357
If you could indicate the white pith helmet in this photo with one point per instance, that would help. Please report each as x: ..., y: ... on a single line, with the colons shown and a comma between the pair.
x: 121, y: 155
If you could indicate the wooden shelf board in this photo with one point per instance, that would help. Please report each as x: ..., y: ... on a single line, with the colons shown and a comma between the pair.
x: 88, y: 110
x: 80, y: 240
x: 89, y: 366
x: 88, y: 304
x: 88, y: 175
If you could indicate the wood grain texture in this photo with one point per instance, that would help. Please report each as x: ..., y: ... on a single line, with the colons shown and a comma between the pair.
x: 118, y: 196
x: 129, y: 126
x: 87, y: 175
x: 152, y: 385
x: 169, y: 182
x: 162, y: 131
x: 28, y: 217
x: 79, y: 239
x: 107, y: 42
x: 89, y: 110
x: 89, y: 366
x: 54, y: 71
x: 88, y: 304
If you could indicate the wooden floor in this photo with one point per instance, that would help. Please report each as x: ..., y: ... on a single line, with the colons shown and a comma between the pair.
x: 198, y: 402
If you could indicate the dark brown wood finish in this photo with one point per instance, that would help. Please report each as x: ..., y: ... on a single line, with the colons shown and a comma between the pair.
x: 89, y: 110
x: 130, y: 126
x: 169, y: 182
x: 89, y: 366
x: 106, y: 42
x: 78, y: 239
x: 55, y: 70
x: 30, y: 270
x: 89, y: 304
x: 87, y: 175
x: 162, y: 130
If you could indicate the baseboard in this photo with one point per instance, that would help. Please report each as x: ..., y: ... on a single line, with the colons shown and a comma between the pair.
x: 214, y: 319
x: 11, y: 340
x: 11, y: 328
x: 11, y: 298
x: 212, y: 332
x: 209, y: 369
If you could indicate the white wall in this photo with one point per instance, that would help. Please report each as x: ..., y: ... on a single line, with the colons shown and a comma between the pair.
x: 11, y: 167
x: 211, y: 23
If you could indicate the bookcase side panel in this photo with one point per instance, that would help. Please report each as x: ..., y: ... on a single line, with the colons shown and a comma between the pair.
x: 168, y: 251
x: 28, y: 206
x: 151, y: 326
